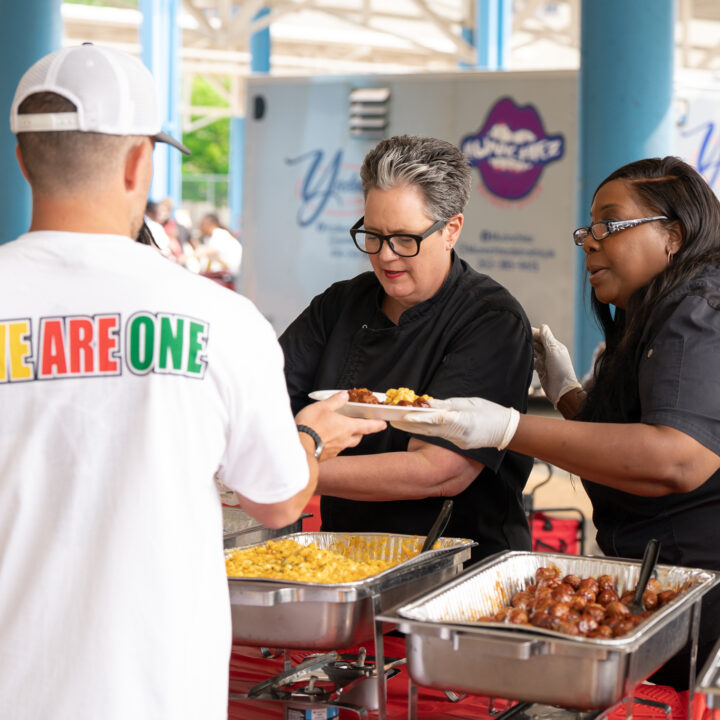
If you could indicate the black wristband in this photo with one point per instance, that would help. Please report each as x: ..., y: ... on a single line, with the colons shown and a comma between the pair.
x: 319, y: 444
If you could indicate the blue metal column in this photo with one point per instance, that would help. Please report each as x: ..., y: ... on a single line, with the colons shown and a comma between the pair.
x: 468, y: 35
x: 28, y: 31
x: 493, y: 28
x: 236, y: 169
x: 259, y: 63
x: 160, y: 40
x: 626, y: 91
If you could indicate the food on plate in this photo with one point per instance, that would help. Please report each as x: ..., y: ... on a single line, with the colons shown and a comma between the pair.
x: 590, y: 607
x: 362, y: 395
x: 393, y: 396
x: 406, y: 396
x: 290, y: 560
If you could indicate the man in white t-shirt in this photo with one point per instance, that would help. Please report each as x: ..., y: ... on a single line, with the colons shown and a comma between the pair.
x: 220, y: 251
x: 126, y: 384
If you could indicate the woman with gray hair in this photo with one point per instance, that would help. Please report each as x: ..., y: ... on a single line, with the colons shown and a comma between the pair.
x: 422, y: 319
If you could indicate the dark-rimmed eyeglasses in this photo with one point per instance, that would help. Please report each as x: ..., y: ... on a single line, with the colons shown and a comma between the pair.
x: 600, y: 230
x: 402, y: 244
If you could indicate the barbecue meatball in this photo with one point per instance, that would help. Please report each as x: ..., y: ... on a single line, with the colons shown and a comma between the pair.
x: 517, y: 616
x: 606, y: 582
x: 545, y: 573
x: 559, y: 610
x: 586, y: 624
x: 602, y: 631
x: 578, y: 602
x: 572, y: 580
x: 596, y: 611
x: 606, y: 596
x: 521, y: 600
x: 589, y: 586
x: 617, y: 609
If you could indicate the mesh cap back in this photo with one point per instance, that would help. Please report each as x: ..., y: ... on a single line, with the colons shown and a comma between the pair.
x: 114, y: 94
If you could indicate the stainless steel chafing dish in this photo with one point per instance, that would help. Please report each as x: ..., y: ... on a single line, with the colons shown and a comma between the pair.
x: 287, y: 614
x: 448, y: 651
x: 709, y: 682
x: 240, y: 529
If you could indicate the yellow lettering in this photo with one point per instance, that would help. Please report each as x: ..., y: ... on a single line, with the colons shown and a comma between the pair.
x: 19, y: 346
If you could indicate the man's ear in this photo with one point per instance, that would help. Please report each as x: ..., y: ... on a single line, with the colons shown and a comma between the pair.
x: 452, y: 230
x: 135, y: 158
x: 21, y: 163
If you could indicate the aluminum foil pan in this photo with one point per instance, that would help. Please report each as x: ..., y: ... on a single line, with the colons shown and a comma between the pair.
x: 489, y: 588
x: 448, y: 648
x: 292, y: 614
x: 363, y: 547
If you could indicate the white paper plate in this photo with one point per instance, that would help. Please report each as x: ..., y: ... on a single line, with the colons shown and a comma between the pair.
x: 366, y: 410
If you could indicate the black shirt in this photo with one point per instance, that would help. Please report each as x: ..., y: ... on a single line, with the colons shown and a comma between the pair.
x: 470, y: 339
x: 679, y: 384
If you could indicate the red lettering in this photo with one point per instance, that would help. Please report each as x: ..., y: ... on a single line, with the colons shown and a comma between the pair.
x: 107, y: 344
x: 52, y: 352
x: 80, y: 335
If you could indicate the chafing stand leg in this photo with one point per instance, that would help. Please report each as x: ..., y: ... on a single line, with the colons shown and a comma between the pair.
x: 694, y: 634
x: 380, y: 660
x: 287, y: 660
x: 412, y: 699
x: 629, y: 705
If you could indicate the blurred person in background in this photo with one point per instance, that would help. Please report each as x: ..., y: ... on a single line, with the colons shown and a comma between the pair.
x: 220, y: 252
x: 153, y: 222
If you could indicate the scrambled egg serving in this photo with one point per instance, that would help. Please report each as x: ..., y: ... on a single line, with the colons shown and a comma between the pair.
x: 289, y: 560
x: 395, y: 396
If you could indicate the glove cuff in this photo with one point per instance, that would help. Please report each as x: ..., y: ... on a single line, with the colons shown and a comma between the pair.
x: 567, y: 386
x: 510, y: 428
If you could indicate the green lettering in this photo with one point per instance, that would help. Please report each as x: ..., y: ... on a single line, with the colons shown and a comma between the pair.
x: 142, y: 343
x: 171, y: 343
x: 198, y: 338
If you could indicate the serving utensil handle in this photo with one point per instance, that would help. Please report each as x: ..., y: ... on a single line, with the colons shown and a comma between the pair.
x: 439, y: 525
x: 650, y: 558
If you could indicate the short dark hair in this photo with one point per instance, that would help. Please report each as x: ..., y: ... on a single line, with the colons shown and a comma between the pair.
x: 63, y: 162
x: 436, y: 167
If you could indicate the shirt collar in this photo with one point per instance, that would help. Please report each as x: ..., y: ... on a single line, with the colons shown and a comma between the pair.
x: 426, y: 306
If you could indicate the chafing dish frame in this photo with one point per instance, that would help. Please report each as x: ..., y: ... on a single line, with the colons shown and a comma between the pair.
x: 252, y: 531
x: 532, y: 664
x: 709, y: 679
x: 338, y: 615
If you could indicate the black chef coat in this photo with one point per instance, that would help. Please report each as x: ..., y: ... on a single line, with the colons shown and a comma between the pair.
x: 679, y: 383
x: 470, y: 339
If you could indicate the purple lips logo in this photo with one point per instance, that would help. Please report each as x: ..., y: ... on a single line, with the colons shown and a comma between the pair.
x: 511, y: 149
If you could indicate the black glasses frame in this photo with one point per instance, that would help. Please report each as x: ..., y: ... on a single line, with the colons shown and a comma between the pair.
x: 356, y: 230
x: 611, y: 226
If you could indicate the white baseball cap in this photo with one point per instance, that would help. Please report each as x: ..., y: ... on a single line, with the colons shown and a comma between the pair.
x: 114, y: 93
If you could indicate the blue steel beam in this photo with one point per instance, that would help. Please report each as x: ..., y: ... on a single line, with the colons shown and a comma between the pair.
x: 626, y: 92
x: 160, y: 39
x: 28, y: 31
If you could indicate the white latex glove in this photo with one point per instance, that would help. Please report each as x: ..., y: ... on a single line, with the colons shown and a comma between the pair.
x: 465, y: 422
x: 553, y: 365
